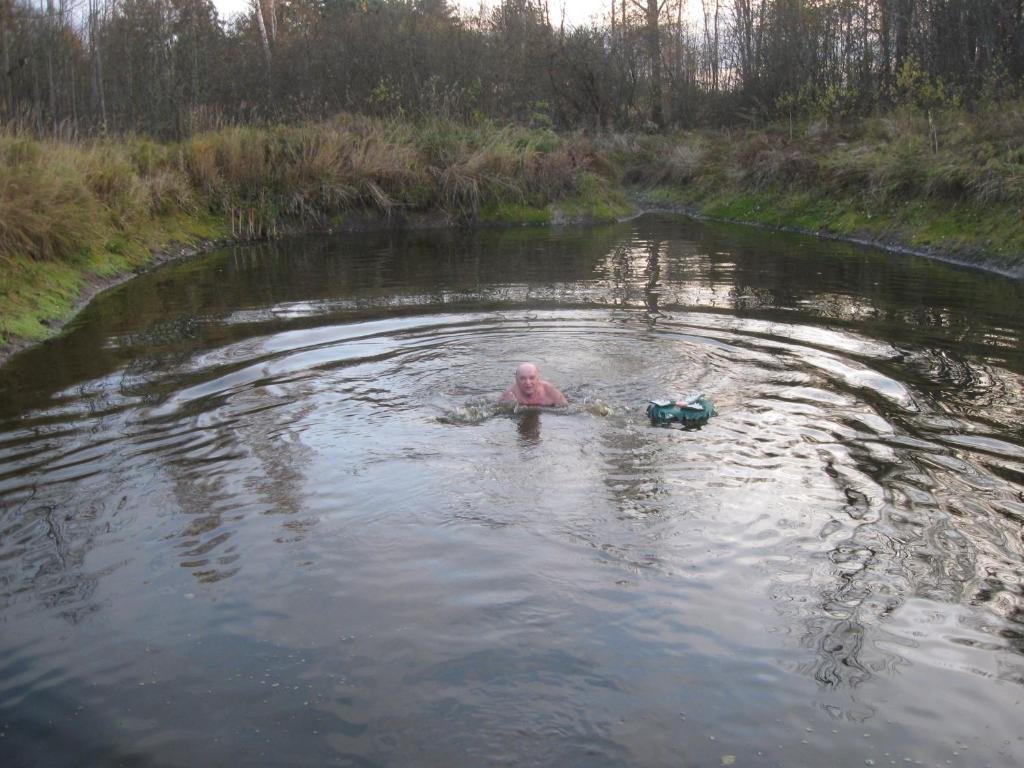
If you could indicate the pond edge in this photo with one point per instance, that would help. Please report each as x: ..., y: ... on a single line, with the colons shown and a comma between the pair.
x: 372, y: 222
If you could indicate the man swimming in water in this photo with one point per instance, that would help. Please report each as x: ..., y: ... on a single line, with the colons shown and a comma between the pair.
x: 530, y: 389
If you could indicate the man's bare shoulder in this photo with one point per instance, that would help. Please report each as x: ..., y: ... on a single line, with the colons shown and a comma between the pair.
x: 554, y: 394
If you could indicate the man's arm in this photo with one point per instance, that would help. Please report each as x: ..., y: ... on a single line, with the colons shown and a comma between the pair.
x: 508, y: 396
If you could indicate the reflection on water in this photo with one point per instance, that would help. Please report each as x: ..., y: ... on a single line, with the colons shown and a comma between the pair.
x: 262, y: 504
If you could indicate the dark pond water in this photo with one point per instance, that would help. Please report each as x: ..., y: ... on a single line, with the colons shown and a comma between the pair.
x: 259, y: 509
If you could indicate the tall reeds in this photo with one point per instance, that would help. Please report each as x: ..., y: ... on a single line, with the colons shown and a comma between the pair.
x: 58, y: 199
x: 73, y: 207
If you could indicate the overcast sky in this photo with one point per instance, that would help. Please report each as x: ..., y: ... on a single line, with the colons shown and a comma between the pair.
x: 577, y: 12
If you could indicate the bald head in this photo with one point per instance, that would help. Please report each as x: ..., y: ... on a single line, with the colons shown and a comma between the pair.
x: 528, y: 378
x: 527, y: 369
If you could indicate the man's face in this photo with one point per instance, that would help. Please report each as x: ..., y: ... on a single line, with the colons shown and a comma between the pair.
x: 527, y: 378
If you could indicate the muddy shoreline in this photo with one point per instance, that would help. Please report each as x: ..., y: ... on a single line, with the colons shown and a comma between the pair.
x: 368, y: 222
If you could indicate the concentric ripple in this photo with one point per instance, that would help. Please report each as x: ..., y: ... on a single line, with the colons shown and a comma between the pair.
x: 268, y: 510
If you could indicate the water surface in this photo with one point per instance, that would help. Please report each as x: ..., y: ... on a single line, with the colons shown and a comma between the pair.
x: 258, y: 507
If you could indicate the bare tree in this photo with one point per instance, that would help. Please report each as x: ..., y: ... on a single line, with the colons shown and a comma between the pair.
x: 6, y: 28
x: 651, y: 10
x: 263, y: 10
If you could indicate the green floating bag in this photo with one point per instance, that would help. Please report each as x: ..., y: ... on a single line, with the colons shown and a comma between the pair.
x: 692, y: 409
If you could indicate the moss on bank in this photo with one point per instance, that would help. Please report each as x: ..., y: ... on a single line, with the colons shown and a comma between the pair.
x: 990, y: 237
x: 39, y: 295
x: 75, y: 216
x: 917, y: 223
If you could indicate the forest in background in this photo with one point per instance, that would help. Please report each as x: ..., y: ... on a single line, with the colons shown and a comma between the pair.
x: 172, y: 68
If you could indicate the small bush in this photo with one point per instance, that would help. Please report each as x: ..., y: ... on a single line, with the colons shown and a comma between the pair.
x: 681, y: 164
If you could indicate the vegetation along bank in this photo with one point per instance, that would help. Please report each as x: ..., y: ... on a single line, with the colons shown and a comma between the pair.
x: 76, y: 215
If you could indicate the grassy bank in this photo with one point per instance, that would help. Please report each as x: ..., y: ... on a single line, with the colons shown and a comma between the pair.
x: 951, y: 184
x: 77, y: 215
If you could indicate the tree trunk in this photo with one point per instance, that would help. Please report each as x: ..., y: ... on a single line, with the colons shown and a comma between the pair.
x: 99, y: 96
x: 651, y: 13
x: 901, y: 24
x: 6, y: 20
x: 257, y: 6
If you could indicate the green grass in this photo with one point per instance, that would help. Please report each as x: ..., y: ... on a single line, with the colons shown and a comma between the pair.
x: 596, y: 200
x: 35, y: 293
x: 992, y: 234
x: 995, y: 232
x: 664, y: 195
x: 514, y: 213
